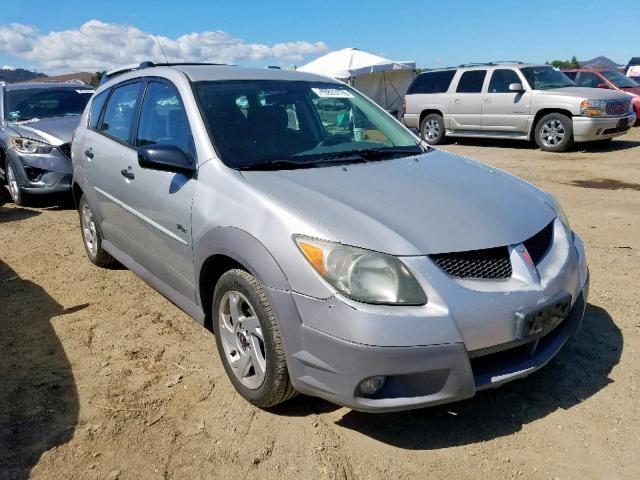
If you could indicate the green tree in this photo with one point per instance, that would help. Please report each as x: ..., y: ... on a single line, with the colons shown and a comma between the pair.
x: 95, y: 80
x: 568, y: 64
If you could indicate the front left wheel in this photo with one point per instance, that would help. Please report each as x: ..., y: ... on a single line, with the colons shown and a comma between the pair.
x: 17, y: 196
x: 249, y: 341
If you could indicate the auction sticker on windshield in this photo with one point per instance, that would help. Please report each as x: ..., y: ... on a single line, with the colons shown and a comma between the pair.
x: 332, y: 93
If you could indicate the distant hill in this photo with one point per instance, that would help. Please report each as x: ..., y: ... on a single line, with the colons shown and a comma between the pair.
x: 599, y: 62
x: 18, y: 75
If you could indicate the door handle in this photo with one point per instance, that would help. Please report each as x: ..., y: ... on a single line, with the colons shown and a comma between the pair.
x: 457, y: 100
x: 487, y: 100
x: 88, y: 154
x: 127, y: 173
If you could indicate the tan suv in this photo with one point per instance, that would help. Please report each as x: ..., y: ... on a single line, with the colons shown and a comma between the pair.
x: 516, y: 101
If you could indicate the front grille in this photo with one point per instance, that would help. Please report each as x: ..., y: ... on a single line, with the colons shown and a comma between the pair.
x: 539, y: 244
x: 65, y: 148
x: 487, y: 263
x: 615, y: 108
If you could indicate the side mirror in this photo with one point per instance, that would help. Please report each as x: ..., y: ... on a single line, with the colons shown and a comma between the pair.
x: 166, y: 158
x: 602, y: 85
x: 516, y: 87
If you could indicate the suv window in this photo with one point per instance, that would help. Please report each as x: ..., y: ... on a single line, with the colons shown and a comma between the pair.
x: 471, y: 81
x: 118, y: 114
x: 96, y: 108
x: 588, y: 79
x: 571, y: 75
x: 501, y: 79
x: 163, y: 119
x: 432, y: 82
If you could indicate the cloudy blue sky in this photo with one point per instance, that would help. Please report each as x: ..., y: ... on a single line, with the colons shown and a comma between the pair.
x: 69, y: 35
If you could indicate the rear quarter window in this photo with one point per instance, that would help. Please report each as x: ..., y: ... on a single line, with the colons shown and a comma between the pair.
x: 432, y: 82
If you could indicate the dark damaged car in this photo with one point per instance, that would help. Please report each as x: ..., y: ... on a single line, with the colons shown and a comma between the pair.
x: 37, y: 121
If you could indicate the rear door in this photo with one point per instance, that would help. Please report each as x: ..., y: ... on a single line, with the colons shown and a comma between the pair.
x: 503, y: 110
x: 106, y: 148
x: 466, y: 104
x: 158, y: 204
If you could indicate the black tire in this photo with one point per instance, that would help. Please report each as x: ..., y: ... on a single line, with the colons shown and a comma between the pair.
x: 15, y: 190
x: 99, y: 257
x: 427, y: 126
x: 557, y: 123
x: 276, y: 387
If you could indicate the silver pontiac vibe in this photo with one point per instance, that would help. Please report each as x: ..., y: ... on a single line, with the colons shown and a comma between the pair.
x: 330, y: 250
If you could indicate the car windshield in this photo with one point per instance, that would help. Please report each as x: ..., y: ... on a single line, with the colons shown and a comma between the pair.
x: 544, y: 78
x: 619, y: 80
x: 31, y: 103
x: 267, y: 124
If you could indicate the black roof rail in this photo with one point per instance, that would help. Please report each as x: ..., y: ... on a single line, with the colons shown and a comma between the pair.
x: 488, y: 64
x: 106, y: 76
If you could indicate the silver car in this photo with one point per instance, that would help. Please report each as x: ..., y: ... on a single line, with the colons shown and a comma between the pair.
x: 332, y: 252
x: 37, y: 121
x: 514, y: 101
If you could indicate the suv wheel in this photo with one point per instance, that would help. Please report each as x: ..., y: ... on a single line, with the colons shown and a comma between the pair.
x: 91, y: 236
x: 432, y: 129
x: 12, y: 183
x: 554, y: 132
x: 249, y: 341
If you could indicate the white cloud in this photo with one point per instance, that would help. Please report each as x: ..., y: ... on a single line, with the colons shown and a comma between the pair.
x: 8, y: 67
x: 98, y: 45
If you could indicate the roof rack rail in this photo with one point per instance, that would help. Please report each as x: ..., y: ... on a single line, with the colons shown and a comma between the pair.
x: 495, y: 62
x: 106, y: 76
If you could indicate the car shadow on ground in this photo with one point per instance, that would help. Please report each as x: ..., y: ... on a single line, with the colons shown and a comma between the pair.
x: 10, y: 212
x: 579, y: 371
x: 38, y: 396
x: 617, y: 144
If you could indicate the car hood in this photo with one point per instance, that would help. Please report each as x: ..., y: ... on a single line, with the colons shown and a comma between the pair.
x: 585, y: 93
x: 433, y: 203
x: 632, y: 90
x: 56, y: 131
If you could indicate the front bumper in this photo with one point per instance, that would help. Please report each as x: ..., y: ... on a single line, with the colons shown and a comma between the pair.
x: 586, y: 129
x: 44, y: 173
x: 446, y: 362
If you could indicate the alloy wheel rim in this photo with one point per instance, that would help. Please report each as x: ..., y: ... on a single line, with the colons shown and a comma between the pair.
x: 552, y: 133
x: 431, y: 129
x: 242, y: 339
x: 89, y: 230
x: 12, y: 183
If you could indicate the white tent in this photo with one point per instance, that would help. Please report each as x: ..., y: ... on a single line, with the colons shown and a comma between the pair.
x: 381, y: 79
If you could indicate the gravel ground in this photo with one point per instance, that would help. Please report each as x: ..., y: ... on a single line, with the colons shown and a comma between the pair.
x: 101, y: 377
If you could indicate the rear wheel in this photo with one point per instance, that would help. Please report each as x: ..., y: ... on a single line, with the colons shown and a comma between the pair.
x: 91, y: 236
x: 554, y: 132
x: 432, y: 129
x: 249, y: 340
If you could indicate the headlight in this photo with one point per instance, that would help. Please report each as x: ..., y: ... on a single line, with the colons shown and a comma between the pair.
x: 562, y: 215
x: 362, y: 275
x: 593, y: 108
x: 28, y: 145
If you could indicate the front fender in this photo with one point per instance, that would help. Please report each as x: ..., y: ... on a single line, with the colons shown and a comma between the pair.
x: 243, y: 248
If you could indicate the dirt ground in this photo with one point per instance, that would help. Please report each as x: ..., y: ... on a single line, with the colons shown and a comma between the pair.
x: 101, y: 377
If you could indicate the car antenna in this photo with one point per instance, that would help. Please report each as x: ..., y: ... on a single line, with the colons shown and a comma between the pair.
x: 161, y: 49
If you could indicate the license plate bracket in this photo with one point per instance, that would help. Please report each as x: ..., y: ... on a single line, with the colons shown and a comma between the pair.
x: 540, y: 319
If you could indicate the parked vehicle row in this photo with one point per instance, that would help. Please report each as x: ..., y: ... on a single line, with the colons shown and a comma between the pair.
x: 514, y: 101
x: 331, y: 252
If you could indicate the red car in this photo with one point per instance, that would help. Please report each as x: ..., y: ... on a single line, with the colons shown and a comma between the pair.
x: 612, y: 79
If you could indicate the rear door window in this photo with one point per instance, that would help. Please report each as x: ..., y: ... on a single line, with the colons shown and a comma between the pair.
x: 471, y: 81
x: 501, y: 79
x: 571, y: 75
x: 119, y: 113
x: 96, y: 108
x: 432, y: 82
